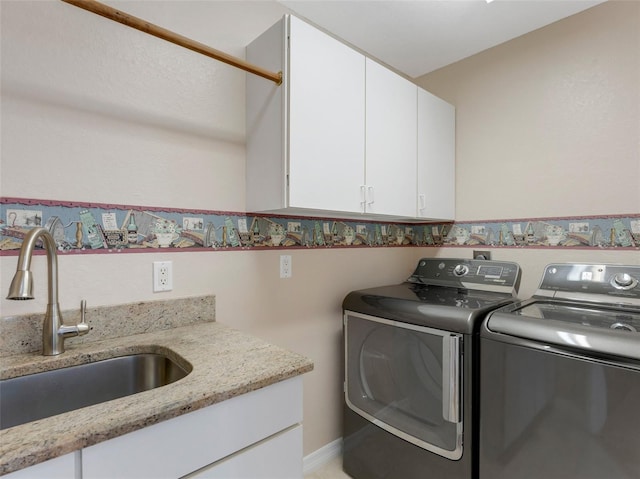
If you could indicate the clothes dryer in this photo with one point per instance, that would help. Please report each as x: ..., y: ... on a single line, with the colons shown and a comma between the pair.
x: 410, y: 385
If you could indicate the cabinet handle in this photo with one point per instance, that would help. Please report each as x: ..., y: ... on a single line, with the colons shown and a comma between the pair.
x: 422, y: 202
x: 370, y: 197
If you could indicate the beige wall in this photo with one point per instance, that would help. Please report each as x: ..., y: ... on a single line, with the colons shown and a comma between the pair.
x: 548, y: 124
x: 92, y: 111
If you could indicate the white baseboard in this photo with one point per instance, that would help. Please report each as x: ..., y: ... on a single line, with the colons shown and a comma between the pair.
x: 322, y: 456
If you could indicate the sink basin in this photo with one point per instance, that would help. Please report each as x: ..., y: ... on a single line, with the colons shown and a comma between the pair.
x: 37, y: 396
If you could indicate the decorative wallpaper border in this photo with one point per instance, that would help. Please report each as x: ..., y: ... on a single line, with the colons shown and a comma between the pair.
x: 107, y: 228
x: 615, y: 231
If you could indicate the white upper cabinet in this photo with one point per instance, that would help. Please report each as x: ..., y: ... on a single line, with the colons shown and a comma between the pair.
x: 436, y: 157
x: 391, y: 125
x: 339, y: 137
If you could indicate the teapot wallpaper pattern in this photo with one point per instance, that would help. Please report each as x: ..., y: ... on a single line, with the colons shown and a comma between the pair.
x: 104, y: 228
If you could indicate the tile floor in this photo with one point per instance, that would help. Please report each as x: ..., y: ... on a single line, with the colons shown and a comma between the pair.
x: 331, y: 470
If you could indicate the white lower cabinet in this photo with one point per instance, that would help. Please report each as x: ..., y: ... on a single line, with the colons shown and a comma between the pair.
x: 257, y: 435
x: 63, y: 467
x: 189, y: 443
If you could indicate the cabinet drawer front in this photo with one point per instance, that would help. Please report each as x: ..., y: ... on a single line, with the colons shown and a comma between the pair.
x: 63, y: 467
x: 176, y: 447
x: 279, y: 457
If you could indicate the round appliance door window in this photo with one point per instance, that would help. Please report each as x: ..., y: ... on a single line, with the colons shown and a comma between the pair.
x: 399, y: 369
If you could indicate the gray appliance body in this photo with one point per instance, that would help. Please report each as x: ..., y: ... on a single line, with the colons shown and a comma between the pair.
x: 410, y: 408
x: 560, y: 378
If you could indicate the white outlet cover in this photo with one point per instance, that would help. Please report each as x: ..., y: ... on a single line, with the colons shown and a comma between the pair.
x: 285, y: 266
x: 162, y: 276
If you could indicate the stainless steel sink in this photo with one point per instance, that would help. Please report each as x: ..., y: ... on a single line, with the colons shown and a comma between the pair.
x: 37, y: 396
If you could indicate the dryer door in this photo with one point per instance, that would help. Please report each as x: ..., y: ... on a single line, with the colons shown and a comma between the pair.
x: 406, y: 379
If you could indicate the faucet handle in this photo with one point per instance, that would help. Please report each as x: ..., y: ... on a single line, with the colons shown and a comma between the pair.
x: 83, y: 311
x: 82, y: 326
x: 80, y: 329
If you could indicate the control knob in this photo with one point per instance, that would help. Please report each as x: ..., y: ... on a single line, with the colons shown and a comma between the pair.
x: 460, y: 270
x: 624, y: 281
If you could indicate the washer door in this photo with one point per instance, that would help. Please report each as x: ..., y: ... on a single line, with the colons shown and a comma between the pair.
x: 407, y: 380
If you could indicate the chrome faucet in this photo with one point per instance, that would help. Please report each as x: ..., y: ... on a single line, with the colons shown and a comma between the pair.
x: 54, y: 331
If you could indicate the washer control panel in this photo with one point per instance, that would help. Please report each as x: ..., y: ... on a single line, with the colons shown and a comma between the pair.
x: 598, y: 279
x: 466, y: 273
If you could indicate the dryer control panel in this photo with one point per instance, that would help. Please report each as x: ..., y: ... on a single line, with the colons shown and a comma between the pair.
x: 467, y: 273
x: 599, y: 282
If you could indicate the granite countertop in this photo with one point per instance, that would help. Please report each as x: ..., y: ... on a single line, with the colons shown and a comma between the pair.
x: 225, y: 362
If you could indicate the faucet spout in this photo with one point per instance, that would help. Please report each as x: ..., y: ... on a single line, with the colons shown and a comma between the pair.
x: 54, y: 331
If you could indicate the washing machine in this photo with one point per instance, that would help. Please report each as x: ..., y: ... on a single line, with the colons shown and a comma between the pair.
x: 560, y: 378
x: 410, y: 375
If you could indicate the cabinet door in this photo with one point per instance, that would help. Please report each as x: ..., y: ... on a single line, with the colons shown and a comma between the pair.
x: 391, y: 129
x: 266, y: 131
x: 326, y: 121
x: 436, y: 157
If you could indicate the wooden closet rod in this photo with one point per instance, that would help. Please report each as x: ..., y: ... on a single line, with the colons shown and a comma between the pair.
x: 139, y: 24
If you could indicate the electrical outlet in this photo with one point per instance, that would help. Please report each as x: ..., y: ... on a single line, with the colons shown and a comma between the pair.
x: 482, y: 255
x: 162, y: 276
x: 285, y: 266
